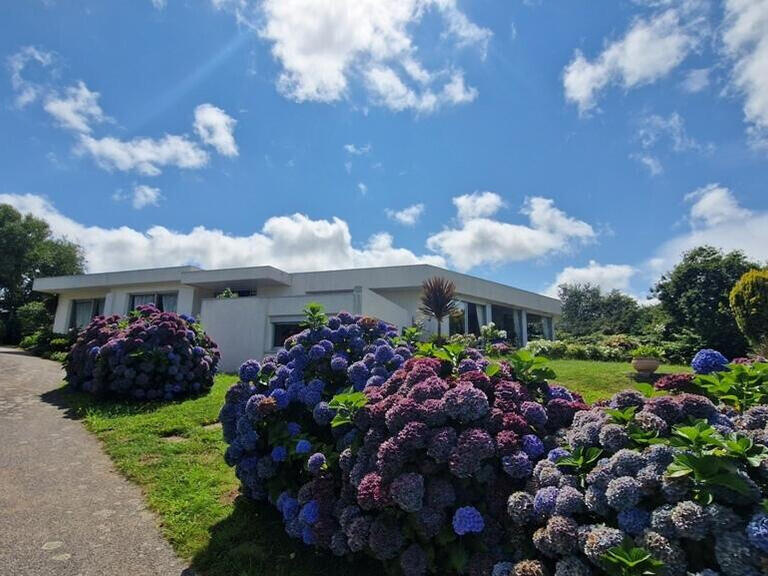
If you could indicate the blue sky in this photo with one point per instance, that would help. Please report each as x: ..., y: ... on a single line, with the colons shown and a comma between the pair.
x: 526, y: 142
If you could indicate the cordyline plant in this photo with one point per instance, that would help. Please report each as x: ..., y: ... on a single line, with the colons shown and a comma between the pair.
x: 438, y: 300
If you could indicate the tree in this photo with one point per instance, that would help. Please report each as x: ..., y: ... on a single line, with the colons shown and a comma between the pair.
x: 29, y: 250
x: 438, y: 300
x: 619, y: 314
x: 749, y: 303
x: 694, y: 294
x: 580, y: 313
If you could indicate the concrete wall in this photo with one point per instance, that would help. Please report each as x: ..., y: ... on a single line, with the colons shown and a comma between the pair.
x: 384, y: 309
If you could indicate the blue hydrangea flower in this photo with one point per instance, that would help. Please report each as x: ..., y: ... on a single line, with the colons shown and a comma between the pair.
x: 757, y: 532
x: 309, y: 512
x: 307, y: 536
x: 517, y: 465
x: 707, y: 361
x: 281, y: 397
x: 323, y: 414
x: 556, y: 453
x: 279, y: 453
x: 544, y: 501
x: 249, y: 371
x: 303, y: 446
x: 293, y: 428
x: 634, y: 520
x: 467, y: 520
x: 533, y: 446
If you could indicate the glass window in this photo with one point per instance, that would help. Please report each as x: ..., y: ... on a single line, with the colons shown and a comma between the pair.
x: 166, y: 302
x: 84, y: 310
x: 457, y: 320
x: 281, y: 331
x: 475, y: 317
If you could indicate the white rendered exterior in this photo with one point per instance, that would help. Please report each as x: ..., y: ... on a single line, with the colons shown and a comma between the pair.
x: 245, y: 327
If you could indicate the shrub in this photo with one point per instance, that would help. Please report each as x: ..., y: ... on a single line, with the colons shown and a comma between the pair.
x: 646, y: 351
x: 749, y: 304
x: 147, y: 355
x: 45, y: 343
x: 415, y: 469
x: 33, y: 317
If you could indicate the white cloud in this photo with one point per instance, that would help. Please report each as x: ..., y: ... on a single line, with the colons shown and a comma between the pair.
x: 652, y: 163
x: 718, y: 219
x: 324, y: 48
x: 407, y: 216
x: 291, y: 243
x: 654, y: 128
x: 481, y: 240
x: 477, y: 205
x: 145, y: 196
x: 143, y: 155
x: 713, y: 205
x: 696, y: 80
x: 27, y: 91
x: 77, y: 109
x: 216, y: 128
x: 651, y: 48
x: 745, y: 40
x: 358, y: 150
x: 159, y: 4
x: 607, y: 276
x: 362, y: 188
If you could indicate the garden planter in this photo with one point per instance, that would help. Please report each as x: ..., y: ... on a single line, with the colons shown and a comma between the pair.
x: 645, y: 365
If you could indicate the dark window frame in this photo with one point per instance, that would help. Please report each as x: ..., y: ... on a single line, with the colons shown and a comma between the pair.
x: 97, y: 309
x: 277, y: 341
x: 157, y: 299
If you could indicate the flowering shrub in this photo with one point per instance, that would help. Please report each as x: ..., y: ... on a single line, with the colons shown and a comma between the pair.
x: 707, y: 361
x: 147, y: 355
x: 673, y: 474
x: 453, y: 463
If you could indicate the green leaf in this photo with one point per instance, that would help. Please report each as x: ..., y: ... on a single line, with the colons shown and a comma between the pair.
x: 492, y: 369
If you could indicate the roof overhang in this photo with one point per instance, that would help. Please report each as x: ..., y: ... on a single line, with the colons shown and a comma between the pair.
x: 106, y: 280
x: 237, y: 278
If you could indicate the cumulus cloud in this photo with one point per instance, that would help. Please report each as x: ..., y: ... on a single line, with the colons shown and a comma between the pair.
x: 716, y: 218
x: 477, y: 205
x: 326, y: 48
x: 77, y: 109
x: 26, y: 90
x: 292, y: 243
x: 607, y: 276
x: 407, y: 216
x: 216, y: 128
x: 745, y: 40
x: 357, y: 150
x: 481, y: 240
x: 650, y: 49
x: 143, y: 155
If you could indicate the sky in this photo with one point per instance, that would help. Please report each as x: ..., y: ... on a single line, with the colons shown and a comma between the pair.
x: 531, y: 142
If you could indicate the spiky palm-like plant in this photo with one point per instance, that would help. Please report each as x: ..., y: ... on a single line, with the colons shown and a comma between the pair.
x: 438, y: 300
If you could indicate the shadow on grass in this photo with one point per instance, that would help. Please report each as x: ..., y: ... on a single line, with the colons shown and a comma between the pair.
x: 252, y: 542
x: 76, y: 405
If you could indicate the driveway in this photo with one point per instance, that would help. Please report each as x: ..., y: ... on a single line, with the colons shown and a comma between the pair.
x: 64, y: 510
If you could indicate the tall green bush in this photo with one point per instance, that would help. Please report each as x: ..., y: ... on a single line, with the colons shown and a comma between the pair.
x: 749, y: 303
x: 33, y: 317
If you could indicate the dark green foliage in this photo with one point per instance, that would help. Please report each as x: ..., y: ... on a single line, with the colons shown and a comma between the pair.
x: 695, y: 297
x: 629, y: 560
x: 33, y: 317
x: 28, y: 251
x: 741, y: 386
x: 48, y: 344
x: 586, y: 310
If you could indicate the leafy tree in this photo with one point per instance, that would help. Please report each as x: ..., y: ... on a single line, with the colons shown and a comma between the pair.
x: 694, y: 294
x: 438, y: 300
x: 29, y: 250
x: 581, y: 308
x: 749, y: 303
x: 586, y: 310
x: 33, y: 316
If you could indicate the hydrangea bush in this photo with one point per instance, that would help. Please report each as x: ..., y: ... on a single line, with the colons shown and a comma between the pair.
x: 147, y: 355
x: 440, y: 460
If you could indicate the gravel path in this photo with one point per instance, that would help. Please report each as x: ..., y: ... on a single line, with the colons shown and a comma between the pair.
x: 64, y: 510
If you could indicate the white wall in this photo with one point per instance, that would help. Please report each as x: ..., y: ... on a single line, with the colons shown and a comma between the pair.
x: 238, y: 326
x: 384, y: 309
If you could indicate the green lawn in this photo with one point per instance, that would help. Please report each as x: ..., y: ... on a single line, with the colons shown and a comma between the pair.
x: 175, y: 453
x: 598, y: 380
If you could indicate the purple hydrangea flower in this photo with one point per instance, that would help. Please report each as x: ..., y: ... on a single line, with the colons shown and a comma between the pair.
x: 634, y: 520
x: 757, y: 531
x: 315, y: 463
x: 533, y: 446
x: 309, y: 513
x: 517, y: 465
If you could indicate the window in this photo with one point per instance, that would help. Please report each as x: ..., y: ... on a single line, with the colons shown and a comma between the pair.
x: 84, y: 310
x: 281, y: 331
x: 467, y: 319
x: 166, y: 302
x: 457, y: 320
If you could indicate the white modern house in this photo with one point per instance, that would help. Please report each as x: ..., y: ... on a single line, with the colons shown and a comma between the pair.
x: 269, y: 302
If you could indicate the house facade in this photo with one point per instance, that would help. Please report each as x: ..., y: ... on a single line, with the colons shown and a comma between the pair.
x: 269, y: 302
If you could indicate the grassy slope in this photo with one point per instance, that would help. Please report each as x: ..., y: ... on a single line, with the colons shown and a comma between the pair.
x: 174, y: 452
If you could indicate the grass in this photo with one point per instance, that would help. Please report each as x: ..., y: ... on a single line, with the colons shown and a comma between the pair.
x: 174, y: 452
x: 599, y: 380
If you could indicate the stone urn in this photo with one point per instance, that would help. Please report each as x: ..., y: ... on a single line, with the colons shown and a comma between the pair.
x: 645, y: 364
